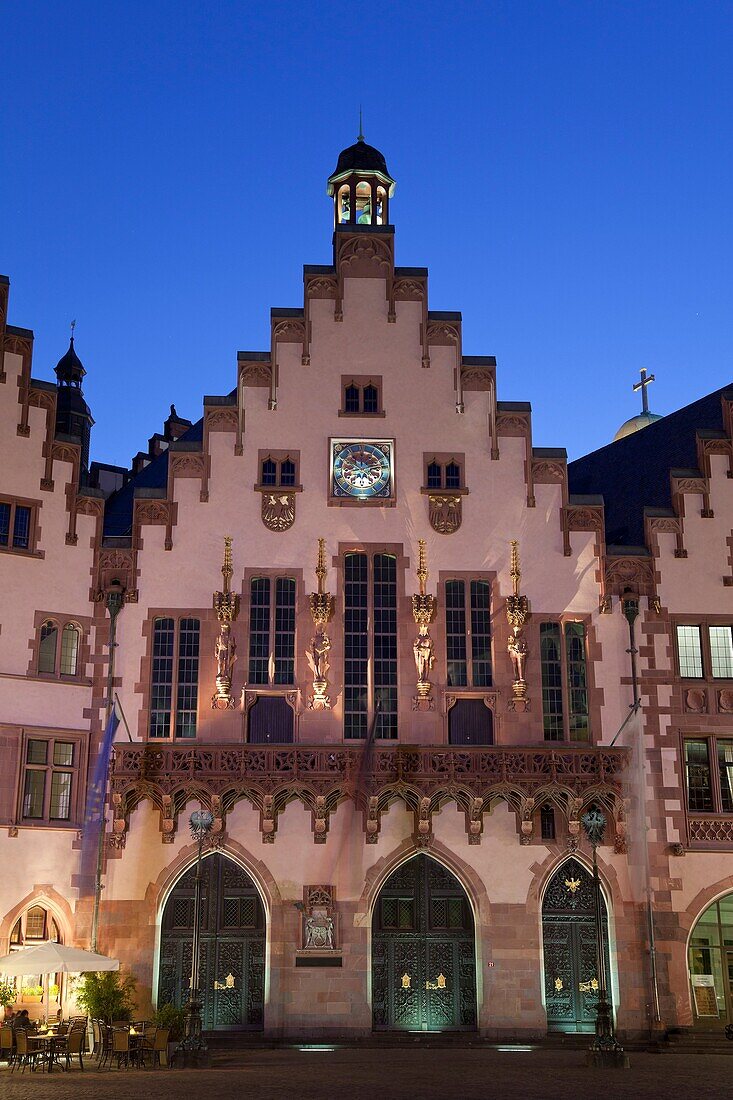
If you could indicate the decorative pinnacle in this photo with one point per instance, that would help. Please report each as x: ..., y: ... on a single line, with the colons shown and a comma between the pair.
x: 422, y: 566
x: 321, y: 566
x: 515, y: 572
x: 73, y: 326
x: 226, y: 570
x: 361, y: 126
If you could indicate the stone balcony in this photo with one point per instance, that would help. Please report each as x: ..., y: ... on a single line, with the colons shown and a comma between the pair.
x: 322, y: 776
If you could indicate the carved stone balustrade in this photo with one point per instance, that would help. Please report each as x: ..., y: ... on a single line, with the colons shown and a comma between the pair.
x: 373, y: 777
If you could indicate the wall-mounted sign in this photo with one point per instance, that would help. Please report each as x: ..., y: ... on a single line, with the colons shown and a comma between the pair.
x: 703, y: 989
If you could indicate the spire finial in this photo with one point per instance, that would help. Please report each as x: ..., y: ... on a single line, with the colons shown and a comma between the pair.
x: 361, y: 126
x: 73, y: 326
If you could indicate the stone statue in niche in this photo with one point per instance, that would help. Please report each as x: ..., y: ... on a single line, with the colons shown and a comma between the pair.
x: 317, y: 655
x: 518, y: 654
x: 424, y: 652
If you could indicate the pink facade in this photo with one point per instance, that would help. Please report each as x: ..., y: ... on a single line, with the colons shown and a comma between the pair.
x: 475, y: 770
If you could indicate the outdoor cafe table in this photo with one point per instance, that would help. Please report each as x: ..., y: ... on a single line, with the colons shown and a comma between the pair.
x: 47, y: 1041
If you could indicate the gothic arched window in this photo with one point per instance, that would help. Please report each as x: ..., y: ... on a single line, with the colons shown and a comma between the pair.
x: 47, y: 647
x: 70, y: 638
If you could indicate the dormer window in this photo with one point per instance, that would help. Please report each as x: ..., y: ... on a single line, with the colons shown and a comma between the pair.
x: 361, y: 396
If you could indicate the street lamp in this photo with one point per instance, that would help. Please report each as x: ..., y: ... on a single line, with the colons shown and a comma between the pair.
x: 606, y: 1050
x: 193, y: 1050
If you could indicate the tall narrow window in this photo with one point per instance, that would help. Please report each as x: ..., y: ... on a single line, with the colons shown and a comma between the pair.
x: 174, y: 677
x: 689, y: 650
x: 547, y: 822
x: 699, y: 785
x: 188, y: 678
x: 70, y: 636
x: 551, y: 667
x: 725, y: 769
x: 272, y: 631
x: 47, y: 647
x: 468, y: 633
x: 578, y: 717
x: 721, y: 652
x: 563, y: 664
x: 370, y: 657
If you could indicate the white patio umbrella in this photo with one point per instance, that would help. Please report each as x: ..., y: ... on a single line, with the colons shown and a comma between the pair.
x: 54, y: 958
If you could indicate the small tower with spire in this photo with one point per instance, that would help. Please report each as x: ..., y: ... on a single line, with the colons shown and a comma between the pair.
x: 73, y: 417
x: 361, y: 186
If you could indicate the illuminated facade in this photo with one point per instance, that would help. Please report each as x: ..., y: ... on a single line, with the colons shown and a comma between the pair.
x: 385, y: 641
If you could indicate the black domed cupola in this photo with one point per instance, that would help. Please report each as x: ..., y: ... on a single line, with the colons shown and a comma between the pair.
x: 361, y: 186
x: 73, y: 416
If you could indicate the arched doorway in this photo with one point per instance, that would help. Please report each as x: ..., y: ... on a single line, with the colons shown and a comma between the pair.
x: 570, y: 948
x: 423, y: 951
x: 34, y: 926
x: 710, y: 961
x: 232, y: 945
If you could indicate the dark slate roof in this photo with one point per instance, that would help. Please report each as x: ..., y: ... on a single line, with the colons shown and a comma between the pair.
x: 118, y: 509
x: 361, y: 155
x: 69, y: 367
x: 633, y: 473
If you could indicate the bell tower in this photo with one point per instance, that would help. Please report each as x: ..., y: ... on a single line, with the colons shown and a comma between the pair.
x: 361, y: 186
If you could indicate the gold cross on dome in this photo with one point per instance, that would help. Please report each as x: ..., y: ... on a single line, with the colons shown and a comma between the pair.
x: 645, y: 381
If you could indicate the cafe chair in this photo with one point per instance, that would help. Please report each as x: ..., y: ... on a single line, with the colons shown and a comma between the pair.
x: 159, y: 1048
x: 24, y: 1056
x: 6, y: 1044
x: 75, y: 1046
x: 120, y: 1047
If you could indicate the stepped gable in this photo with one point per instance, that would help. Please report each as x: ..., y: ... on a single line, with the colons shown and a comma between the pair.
x: 633, y: 473
x: 119, y: 506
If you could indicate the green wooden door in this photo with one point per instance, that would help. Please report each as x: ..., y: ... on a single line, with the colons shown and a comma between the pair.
x: 423, y: 951
x: 232, y: 975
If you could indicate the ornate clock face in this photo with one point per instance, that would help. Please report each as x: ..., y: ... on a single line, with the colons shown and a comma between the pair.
x: 361, y: 469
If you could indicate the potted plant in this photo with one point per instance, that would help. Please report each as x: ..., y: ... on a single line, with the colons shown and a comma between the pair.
x: 172, y: 1017
x: 107, y: 996
x: 7, y: 997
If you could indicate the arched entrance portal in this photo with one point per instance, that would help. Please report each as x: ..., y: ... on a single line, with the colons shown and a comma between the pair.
x: 423, y: 951
x: 232, y: 945
x: 571, y: 955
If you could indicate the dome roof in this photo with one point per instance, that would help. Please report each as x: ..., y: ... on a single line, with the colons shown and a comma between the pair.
x: 361, y: 157
x: 69, y: 367
x: 635, y: 424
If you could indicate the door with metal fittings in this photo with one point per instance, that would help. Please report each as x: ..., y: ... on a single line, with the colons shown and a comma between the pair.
x: 570, y: 949
x: 232, y: 967
x: 423, y: 951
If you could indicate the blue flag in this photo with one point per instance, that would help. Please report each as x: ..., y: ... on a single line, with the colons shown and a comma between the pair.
x: 94, y: 813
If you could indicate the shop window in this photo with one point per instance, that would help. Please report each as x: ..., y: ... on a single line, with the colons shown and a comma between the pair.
x: 174, y: 678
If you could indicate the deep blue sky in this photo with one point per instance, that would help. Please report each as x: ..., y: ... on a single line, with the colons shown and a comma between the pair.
x: 564, y: 169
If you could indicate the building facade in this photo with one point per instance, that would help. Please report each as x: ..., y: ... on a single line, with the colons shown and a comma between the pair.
x: 390, y: 645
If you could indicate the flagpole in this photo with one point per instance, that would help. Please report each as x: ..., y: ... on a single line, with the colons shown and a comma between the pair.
x: 115, y: 598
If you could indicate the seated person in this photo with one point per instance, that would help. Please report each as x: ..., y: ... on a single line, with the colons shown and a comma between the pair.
x: 23, y: 1022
